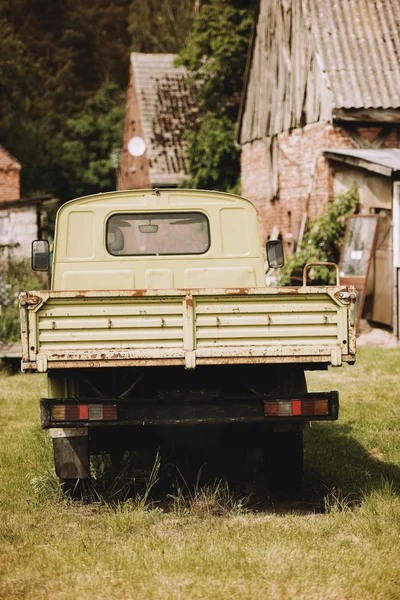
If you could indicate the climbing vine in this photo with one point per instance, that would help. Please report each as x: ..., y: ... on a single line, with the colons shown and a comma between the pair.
x: 323, y: 240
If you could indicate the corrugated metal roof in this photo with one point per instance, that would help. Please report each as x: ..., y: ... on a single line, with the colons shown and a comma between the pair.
x: 383, y: 161
x: 359, y: 44
x: 316, y: 60
x: 168, y: 108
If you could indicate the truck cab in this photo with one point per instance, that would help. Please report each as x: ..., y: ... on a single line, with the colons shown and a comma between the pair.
x: 157, y: 240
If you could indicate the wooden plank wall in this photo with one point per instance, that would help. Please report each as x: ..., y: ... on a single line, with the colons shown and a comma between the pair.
x: 287, y: 86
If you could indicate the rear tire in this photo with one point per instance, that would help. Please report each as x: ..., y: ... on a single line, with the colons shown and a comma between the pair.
x: 283, y: 464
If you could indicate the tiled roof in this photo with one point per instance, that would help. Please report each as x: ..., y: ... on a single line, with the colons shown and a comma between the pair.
x: 168, y: 108
x: 359, y: 44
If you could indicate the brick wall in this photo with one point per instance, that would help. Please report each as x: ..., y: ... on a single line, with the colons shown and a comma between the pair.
x: 134, y: 173
x: 9, y: 177
x: 299, y: 152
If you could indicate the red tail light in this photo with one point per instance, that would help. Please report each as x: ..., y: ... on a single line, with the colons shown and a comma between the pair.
x: 83, y: 412
x: 293, y: 408
x: 315, y: 407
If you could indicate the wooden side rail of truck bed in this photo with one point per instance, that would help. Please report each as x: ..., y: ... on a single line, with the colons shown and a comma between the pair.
x: 73, y: 329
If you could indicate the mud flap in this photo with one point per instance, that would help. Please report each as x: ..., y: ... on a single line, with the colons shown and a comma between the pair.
x: 71, y: 453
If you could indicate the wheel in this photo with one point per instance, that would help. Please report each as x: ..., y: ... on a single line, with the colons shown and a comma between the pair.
x: 283, y: 464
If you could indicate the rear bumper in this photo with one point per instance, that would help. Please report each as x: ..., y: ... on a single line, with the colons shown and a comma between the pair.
x: 145, y: 411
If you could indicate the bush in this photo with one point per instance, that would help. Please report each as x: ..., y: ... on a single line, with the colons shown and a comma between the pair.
x: 17, y: 273
x: 323, y: 240
x: 213, y: 158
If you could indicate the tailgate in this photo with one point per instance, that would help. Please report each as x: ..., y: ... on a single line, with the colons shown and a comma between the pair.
x: 187, y: 327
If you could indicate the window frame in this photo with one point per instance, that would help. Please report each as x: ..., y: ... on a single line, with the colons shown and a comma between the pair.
x: 144, y: 214
x: 396, y: 224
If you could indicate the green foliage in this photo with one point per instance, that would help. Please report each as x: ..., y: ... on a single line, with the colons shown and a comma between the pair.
x: 64, y: 68
x: 52, y: 65
x: 323, y: 240
x: 18, y: 274
x: 216, y: 54
x: 84, y: 155
x: 160, y: 26
x: 58, y: 59
x: 63, y: 72
x: 213, y: 158
x: 55, y: 58
x: 17, y: 71
x: 22, y: 130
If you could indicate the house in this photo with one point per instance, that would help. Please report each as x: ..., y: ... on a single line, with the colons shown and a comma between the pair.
x: 9, y: 176
x: 320, y: 111
x: 22, y: 220
x: 161, y: 107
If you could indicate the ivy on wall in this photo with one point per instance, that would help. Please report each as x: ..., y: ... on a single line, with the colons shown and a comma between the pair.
x: 323, y: 240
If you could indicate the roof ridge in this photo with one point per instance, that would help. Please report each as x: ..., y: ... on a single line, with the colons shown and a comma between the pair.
x: 2, y: 149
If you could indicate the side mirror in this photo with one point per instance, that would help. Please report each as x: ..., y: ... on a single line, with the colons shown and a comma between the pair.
x: 40, y: 255
x: 275, y: 255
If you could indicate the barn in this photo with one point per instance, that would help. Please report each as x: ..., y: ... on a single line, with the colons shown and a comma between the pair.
x: 321, y: 111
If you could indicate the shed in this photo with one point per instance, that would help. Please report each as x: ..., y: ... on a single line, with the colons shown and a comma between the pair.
x: 25, y: 220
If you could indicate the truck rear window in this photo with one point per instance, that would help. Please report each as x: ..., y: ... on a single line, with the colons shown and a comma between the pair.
x: 133, y: 234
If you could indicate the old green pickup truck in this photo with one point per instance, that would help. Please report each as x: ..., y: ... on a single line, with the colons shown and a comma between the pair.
x: 159, y: 325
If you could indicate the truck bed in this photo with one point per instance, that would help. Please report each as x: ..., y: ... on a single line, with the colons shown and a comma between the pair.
x: 91, y: 329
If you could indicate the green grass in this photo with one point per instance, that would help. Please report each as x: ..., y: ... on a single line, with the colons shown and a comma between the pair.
x: 342, y: 543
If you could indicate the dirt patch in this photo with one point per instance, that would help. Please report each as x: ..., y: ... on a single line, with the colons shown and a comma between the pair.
x: 376, y: 336
x: 376, y: 454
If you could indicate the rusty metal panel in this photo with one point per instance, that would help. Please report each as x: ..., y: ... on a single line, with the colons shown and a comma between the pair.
x: 114, y: 324
x: 269, y: 325
x: 167, y: 327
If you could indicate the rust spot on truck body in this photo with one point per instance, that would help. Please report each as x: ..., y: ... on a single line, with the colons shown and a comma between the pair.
x: 239, y: 291
x: 287, y: 290
x: 29, y: 299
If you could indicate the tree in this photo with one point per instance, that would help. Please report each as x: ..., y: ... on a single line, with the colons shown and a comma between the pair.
x: 22, y: 129
x: 216, y: 54
x: 212, y: 155
x: 55, y: 57
x: 84, y: 155
x: 157, y: 26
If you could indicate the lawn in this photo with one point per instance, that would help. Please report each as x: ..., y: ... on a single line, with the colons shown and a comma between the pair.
x: 342, y: 542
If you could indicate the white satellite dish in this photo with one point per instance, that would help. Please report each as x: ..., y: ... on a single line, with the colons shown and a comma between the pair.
x: 136, y: 146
